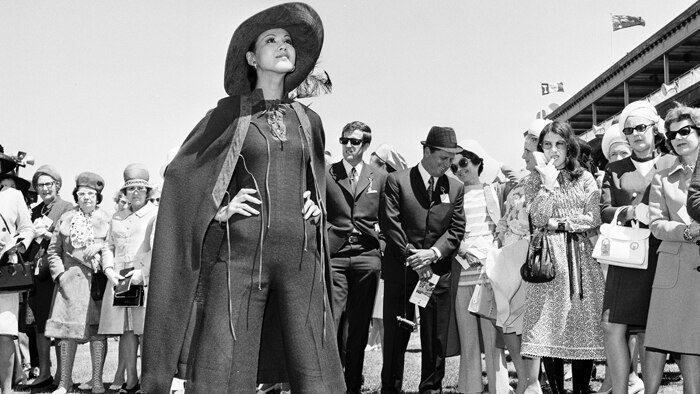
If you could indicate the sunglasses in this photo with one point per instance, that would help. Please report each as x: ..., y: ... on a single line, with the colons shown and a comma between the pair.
x: 640, y: 128
x: 353, y: 141
x: 547, y: 145
x: 463, y: 163
x: 684, y: 131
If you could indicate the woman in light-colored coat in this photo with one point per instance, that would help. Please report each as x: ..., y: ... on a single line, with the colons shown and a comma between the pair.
x: 129, y: 247
x: 73, y: 258
x: 674, y: 311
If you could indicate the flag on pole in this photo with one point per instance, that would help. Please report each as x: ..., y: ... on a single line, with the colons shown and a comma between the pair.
x: 552, y: 87
x: 623, y: 21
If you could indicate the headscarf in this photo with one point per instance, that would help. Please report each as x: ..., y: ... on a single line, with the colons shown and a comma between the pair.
x: 642, y: 109
x: 613, y: 135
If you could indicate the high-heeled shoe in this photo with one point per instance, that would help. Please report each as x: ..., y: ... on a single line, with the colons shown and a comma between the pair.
x: 125, y: 390
x: 636, y: 387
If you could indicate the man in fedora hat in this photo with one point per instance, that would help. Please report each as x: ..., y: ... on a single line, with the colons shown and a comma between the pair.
x: 422, y: 217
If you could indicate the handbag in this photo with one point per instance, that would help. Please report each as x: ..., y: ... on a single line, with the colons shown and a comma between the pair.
x: 538, y: 267
x: 15, y: 276
x: 98, y: 285
x: 483, y: 301
x: 133, y: 296
x: 622, y: 246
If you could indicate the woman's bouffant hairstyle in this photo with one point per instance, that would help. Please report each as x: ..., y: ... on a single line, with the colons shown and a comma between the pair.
x: 679, y: 113
x: 564, y: 130
x: 474, y: 159
x: 75, y: 196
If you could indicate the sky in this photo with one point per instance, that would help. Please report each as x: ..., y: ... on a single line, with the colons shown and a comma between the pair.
x: 92, y: 85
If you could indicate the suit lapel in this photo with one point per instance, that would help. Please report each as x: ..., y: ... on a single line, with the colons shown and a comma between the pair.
x: 418, y: 187
x: 341, y: 176
x: 364, y: 180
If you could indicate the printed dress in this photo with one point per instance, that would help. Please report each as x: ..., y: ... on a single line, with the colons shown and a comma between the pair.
x: 562, y: 317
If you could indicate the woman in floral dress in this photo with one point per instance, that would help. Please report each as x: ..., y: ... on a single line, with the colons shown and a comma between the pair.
x: 562, y: 317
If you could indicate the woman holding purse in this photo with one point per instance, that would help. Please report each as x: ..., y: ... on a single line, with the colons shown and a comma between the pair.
x: 15, y: 224
x: 47, y: 182
x: 562, y: 316
x: 482, y: 211
x: 129, y: 248
x: 674, y: 310
x: 627, y: 290
x: 74, y: 257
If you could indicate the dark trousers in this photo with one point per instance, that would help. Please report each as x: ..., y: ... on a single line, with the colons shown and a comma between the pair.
x: 355, y: 271
x: 434, y: 322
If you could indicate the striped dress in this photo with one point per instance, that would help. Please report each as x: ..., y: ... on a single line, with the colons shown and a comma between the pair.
x: 479, y: 227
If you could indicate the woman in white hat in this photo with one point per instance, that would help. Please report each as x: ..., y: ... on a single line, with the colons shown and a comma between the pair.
x: 625, y: 185
x: 238, y: 291
x: 129, y: 249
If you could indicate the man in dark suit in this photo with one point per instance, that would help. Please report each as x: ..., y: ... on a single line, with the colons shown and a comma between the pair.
x: 422, y: 217
x: 353, y: 189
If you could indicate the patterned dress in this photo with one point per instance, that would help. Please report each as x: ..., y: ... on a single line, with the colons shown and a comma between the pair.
x: 562, y: 322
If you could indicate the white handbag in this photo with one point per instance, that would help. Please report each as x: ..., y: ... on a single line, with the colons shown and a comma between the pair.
x: 622, y: 246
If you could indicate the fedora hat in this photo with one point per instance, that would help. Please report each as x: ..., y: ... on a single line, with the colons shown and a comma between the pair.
x: 136, y: 174
x: 301, y: 22
x: 443, y: 138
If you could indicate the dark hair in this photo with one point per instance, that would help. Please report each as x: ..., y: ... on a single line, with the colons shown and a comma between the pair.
x: 585, y: 157
x: 251, y: 74
x: 357, y: 125
x: 564, y: 130
x: 98, y: 195
x: 474, y: 159
x: 679, y: 113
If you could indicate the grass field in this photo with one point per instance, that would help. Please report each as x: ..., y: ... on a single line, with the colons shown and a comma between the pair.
x: 373, y: 365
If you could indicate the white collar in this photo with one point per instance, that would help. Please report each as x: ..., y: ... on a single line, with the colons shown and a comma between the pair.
x: 348, y: 167
x: 425, y: 175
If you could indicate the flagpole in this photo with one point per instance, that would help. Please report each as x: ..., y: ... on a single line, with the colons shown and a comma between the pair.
x: 612, y: 58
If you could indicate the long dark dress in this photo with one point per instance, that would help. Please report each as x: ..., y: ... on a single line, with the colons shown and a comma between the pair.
x: 285, y: 274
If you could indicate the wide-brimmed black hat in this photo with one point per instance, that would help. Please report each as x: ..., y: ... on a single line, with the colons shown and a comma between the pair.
x: 301, y: 22
x: 443, y: 138
x: 21, y: 183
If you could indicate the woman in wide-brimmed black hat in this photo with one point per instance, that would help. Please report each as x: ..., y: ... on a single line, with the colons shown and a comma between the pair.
x: 238, y: 293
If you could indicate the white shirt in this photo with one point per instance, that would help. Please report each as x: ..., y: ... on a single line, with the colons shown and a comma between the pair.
x: 426, y: 178
x: 348, y: 168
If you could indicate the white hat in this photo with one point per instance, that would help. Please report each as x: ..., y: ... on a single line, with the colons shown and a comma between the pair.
x: 492, y: 167
x: 536, y: 127
x: 613, y: 135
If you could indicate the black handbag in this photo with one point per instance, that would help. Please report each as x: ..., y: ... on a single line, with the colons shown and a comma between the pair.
x: 98, y: 285
x: 538, y: 267
x: 132, y: 297
x: 16, y: 277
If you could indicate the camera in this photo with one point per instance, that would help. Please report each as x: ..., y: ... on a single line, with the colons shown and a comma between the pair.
x: 406, y: 324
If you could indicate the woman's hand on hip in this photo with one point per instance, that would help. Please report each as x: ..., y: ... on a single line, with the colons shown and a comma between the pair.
x: 311, y: 211
x: 239, y: 205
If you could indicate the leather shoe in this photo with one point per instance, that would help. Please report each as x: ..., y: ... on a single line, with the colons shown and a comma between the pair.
x: 41, y: 383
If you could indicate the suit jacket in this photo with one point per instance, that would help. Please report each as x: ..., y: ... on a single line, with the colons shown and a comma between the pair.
x: 346, y: 210
x: 409, y: 218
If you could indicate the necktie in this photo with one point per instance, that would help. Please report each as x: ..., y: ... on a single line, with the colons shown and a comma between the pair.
x: 353, y: 180
x: 431, y: 185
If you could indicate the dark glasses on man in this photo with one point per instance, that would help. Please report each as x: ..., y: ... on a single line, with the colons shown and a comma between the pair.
x: 463, y: 162
x: 684, y: 131
x: 353, y: 141
x: 640, y: 128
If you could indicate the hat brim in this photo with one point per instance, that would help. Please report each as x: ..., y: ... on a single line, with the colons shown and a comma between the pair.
x: 304, y: 26
x: 136, y: 182
x: 23, y: 185
x: 456, y: 149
